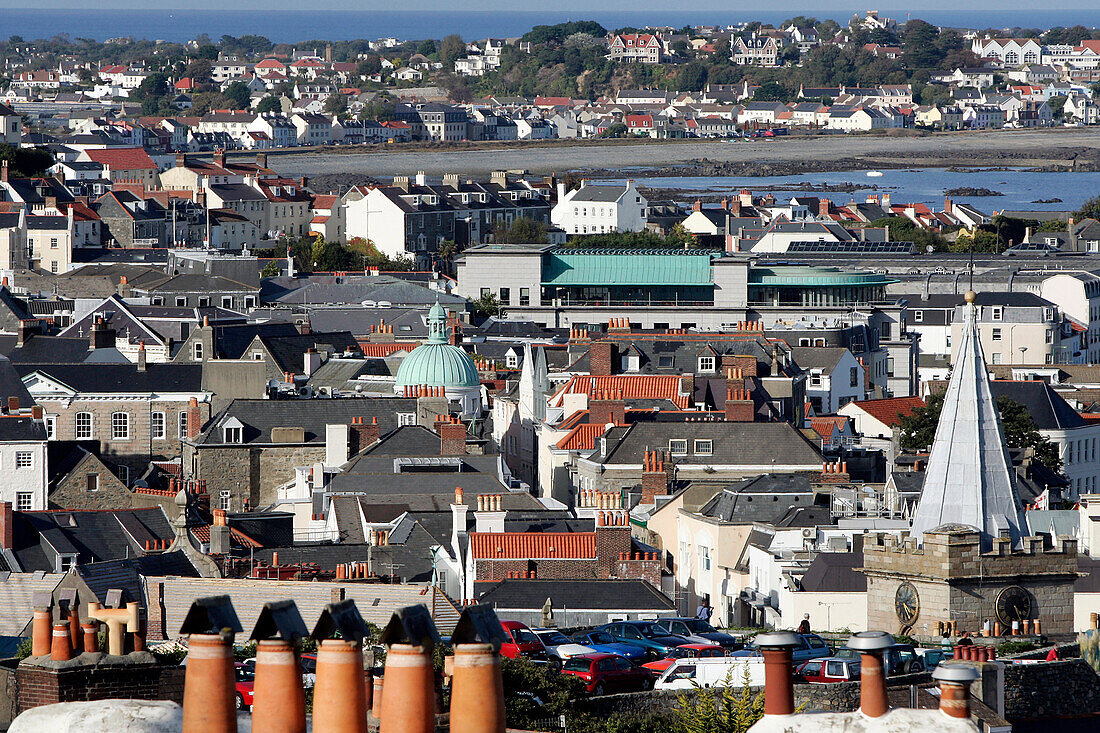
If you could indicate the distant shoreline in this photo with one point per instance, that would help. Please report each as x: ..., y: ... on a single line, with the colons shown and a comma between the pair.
x: 1052, y: 149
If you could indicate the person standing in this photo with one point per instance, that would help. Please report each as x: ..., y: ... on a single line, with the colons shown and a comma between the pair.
x: 704, y: 612
x: 804, y: 626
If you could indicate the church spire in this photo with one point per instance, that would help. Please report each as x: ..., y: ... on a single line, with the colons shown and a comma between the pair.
x: 969, y: 479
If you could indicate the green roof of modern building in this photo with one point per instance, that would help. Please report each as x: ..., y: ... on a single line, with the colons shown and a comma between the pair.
x: 813, y: 276
x: 565, y: 266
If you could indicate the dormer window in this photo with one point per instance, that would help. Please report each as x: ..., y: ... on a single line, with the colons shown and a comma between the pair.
x: 706, y: 363
x: 678, y: 446
x: 233, y: 434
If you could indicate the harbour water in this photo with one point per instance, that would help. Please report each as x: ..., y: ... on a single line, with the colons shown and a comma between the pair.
x: 1021, y: 189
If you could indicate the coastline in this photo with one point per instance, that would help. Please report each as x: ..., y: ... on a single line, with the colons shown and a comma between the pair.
x: 1059, y: 149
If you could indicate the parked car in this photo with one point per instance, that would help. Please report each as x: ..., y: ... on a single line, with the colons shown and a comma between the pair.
x: 688, y: 674
x: 607, y: 673
x: 242, y: 698
x: 605, y: 643
x: 656, y: 641
x: 898, y: 659
x: 308, y: 663
x: 687, y: 651
x: 522, y: 642
x: 698, y: 631
x: 560, y: 647
x: 829, y: 669
x: 810, y: 646
x: 933, y: 657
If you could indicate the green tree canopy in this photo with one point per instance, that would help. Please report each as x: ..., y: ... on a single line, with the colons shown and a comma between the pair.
x: 238, y: 95
x: 772, y: 91
x: 451, y: 49
x: 1089, y: 210
x: 25, y: 162
x: 522, y: 230
x: 269, y: 103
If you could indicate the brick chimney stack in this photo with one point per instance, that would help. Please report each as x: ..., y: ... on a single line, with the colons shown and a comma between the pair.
x: 655, y: 478
x: 194, y: 419
x: 607, y: 406
x: 834, y: 473
x: 102, y: 336
x: 141, y: 357
x: 452, y: 436
x: 824, y: 207
x: 739, y: 405
x: 7, y: 526
x: 601, y: 355
x: 612, y: 539
x: 219, y: 158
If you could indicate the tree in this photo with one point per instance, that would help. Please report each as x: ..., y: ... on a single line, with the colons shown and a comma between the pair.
x: 1089, y: 210
x: 199, y: 70
x: 487, y: 305
x: 426, y: 48
x: 271, y: 269
x: 724, y: 708
x: 238, y: 95
x: 333, y: 257
x: 693, y: 76
x: 522, y: 230
x: 269, y: 103
x: 26, y: 162
x: 208, y: 51
x: 153, y: 87
x: 773, y: 91
x: 451, y: 49
x: 790, y: 55
x: 336, y: 104
x: 919, y: 429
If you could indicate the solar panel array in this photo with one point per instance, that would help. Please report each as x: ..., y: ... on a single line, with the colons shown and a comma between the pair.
x: 892, y: 248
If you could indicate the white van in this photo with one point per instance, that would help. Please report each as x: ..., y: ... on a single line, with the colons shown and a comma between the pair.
x: 689, y: 673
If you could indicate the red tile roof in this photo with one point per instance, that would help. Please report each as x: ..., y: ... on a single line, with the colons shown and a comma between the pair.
x: 633, y: 386
x: 824, y: 426
x: 890, y: 411
x: 202, y: 534
x: 122, y: 159
x: 582, y: 437
x: 379, y: 351
x: 530, y: 545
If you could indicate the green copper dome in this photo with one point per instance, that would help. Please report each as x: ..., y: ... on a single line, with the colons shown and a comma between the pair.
x: 436, y: 363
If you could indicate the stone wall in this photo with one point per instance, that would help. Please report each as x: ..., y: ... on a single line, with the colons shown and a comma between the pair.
x: 249, y: 473
x: 1068, y: 689
x: 71, y: 491
x: 97, y: 677
x: 839, y: 697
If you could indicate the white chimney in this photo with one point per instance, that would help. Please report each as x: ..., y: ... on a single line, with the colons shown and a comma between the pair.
x: 336, y: 445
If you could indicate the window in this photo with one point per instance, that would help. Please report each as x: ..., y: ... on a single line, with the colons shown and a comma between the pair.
x: 83, y: 425
x: 486, y: 292
x: 525, y: 296
x: 704, y: 447
x: 204, y: 302
x: 53, y: 266
x: 704, y: 557
x: 91, y: 482
x: 678, y: 447
x: 998, y: 313
x: 706, y: 363
x: 182, y: 418
x: 123, y: 473
x: 996, y: 357
x: 884, y: 329
x: 815, y: 379
x: 996, y: 334
x: 227, y: 301
x: 918, y: 316
x: 51, y: 427
x: 249, y: 301
x: 511, y: 361
x: 24, y: 459
x: 223, y: 499
x: 664, y: 362
x: 506, y: 295
x: 406, y: 418
x: 257, y: 356
x: 1050, y: 336
x: 120, y: 426
x: 196, y: 351
x: 68, y: 562
x: 53, y: 242
x: 853, y: 377
x: 181, y: 302
x: 158, y: 426
x: 24, y: 501
x: 234, y: 434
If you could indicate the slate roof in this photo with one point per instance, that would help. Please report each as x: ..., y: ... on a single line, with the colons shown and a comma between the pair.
x: 231, y: 341
x: 599, y: 194
x: 287, y: 351
x: 767, y: 498
x: 1049, y: 410
x: 835, y: 572
x: 16, y: 598
x: 818, y: 357
x: 734, y: 443
x: 574, y: 595
x: 127, y: 574
x: 92, y: 535
x: 260, y: 416
x: 410, y: 561
x: 110, y: 378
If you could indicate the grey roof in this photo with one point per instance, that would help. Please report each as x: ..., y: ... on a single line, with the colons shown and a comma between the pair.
x: 17, y: 598
x: 952, y: 300
x: 734, y: 443
x: 969, y: 478
x: 767, y: 498
x: 410, y: 560
x: 574, y: 595
x: 353, y: 289
x: 236, y: 192
x: 1049, y: 410
x: 127, y: 574
x: 817, y: 357
x: 407, y: 322
x: 260, y: 416
x: 835, y: 572
x: 126, y: 377
x: 599, y: 194
x: 91, y: 535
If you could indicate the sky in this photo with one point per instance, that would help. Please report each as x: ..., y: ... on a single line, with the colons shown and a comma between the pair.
x: 568, y: 5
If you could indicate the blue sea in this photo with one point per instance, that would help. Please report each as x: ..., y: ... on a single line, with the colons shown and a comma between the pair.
x: 1021, y: 189
x: 294, y: 26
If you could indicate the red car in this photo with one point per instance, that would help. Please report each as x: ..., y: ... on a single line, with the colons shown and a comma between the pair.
x: 683, y: 651
x: 607, y: 673
x: 245, y: 681
x: 522, y: 642
x: 829, y: 669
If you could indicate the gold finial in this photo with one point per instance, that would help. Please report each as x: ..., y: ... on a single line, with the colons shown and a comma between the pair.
x: 970, y: 297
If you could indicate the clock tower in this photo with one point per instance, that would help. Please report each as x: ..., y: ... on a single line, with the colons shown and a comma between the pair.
x: 969, y: 558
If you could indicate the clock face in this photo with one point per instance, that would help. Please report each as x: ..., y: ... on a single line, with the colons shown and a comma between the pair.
x: 907, y: 603
x: 1013, y: 604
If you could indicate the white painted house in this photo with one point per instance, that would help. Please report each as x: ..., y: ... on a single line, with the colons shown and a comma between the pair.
x: 600, y: 209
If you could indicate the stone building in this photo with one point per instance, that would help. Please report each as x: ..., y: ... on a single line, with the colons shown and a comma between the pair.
x: 970, y: 560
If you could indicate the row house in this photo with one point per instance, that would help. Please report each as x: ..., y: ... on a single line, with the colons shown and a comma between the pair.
x: 124, y: 165
x: 42, y: 79
x: 312, y: 129
x: 124, y: 77
x: 643, y: 48
x: 227, y: 68
x: 11, y: 126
